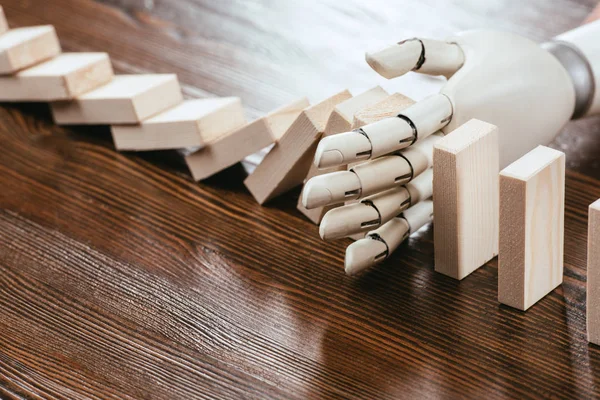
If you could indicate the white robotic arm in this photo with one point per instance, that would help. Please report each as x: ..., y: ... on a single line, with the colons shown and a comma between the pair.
x: 529, y: 91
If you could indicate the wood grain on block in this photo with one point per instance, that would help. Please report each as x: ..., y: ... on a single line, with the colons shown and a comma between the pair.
x: 3, y: 23
x: 465, y: 198
x: 389, y: 107
x: 288, y: 162
x: 227, y: 149
x: 188, y: 124
x: 21, y: 48
x: 593, y: 274
x: 64, y: 77
x: 532, y: 202
x: 340, y: 121
x: 127, y: 99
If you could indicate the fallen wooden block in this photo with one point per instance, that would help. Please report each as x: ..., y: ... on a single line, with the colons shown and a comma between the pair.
x: 127, y: 99
x: 465, y: 198
x: 3, y: 23
x: 225, y: 150
x: 532, y: 203
x: 63, y: 77
x: 593, y: 274
x: 288, y: 162
x: 340, y: 121
x: 189, y: 124
x: 21, y: 48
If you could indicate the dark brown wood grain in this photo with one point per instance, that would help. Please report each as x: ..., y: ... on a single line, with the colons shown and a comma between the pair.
x: 121, y: 278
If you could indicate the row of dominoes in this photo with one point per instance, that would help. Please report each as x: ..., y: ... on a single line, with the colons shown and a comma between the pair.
x: 148, y: 112
x: 145, y: 111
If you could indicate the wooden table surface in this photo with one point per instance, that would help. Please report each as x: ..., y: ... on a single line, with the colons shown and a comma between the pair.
x: 122, y: 278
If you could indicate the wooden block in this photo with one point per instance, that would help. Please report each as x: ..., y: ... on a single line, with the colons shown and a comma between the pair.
x: 127, y: 99
x: 340, y: 121
x: 3, y: 23
x: 288, y: 162
x: 386, y: 108
x: 21, y: 48
x: 225, y: 150
x: 532, y: 205
x: 63, y: 77
x: 593, y: 274
x: 189, y: 124
x: 465, y: 198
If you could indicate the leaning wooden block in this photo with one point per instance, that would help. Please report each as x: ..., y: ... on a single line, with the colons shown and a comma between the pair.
x: 21, y: 48
x: 3, y: 23
x: 389, y: 107
x: 61, y: 78
x: 465, y: 198
x: 222, y: 151
x: 593, y: 274
x: 188, y: 124
x: 340, y: 121
x: 532, y: 203
x: 288, y: 162
x: 127, y: 99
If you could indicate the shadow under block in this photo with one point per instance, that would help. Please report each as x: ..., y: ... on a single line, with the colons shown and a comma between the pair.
x: 127, y: 99
x: 188, y: 124
x: 21, y: 48
x: 466, y: 198
x: 288, y: 162
x: 340, y: 121
x: 532, y: 204
x: 225, y: 150
x: 63, y: 77
x: 593, y: 274
x: 3, y: 23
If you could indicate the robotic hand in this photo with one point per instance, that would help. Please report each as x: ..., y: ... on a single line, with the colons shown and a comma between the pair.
x: 529, y: 91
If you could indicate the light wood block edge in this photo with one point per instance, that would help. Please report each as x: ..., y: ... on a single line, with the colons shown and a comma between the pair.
x: 593, y: 274
x: 3, y: 21
x: 28, y: 46
x: 466, y: 198
x: 530, y: 261
x: 237, y: 144
x: 288, y: 162
x: 90, y: 110
x: 192, y: 123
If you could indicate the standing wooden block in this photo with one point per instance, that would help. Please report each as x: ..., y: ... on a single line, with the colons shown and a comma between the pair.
x: 21, y: 48
x: 127, y: 99
x: 532, y: 204
x: 3, y: 23
x: 229, y: 148
x: 288, y: 162
x: 593, y: 274
x: 192, y: 123
x: 61, y: 78
x: 340, y: 121
x: 465, y: 198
